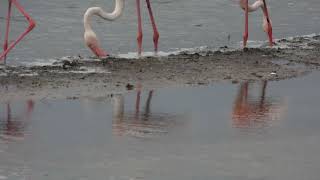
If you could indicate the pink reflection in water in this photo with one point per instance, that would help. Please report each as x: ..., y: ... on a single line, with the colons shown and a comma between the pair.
x: 255, y: 112
x: 13, y: 126
x: 140, y: 123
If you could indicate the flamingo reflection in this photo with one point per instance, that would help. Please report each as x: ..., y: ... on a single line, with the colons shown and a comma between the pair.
x: 139, y: 124
x: 13, y: 127
x: 251, y: 112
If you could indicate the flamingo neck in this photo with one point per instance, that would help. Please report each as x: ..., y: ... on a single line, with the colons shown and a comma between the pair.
x: 117, y: 12
x: 252, y: 7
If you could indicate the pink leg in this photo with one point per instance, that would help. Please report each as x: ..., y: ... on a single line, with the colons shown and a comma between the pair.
x: 246, y: 33
x: 5, y: 46
x: 30, y: 27
x: 266, y: 13
x: 140, y: 35
x: 154, y: 26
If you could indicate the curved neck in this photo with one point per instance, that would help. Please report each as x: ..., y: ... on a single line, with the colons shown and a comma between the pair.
x: 253, y: 7
x: 104, y: 15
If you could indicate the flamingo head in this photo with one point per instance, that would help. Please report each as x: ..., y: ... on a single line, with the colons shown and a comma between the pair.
x: 92, y: 42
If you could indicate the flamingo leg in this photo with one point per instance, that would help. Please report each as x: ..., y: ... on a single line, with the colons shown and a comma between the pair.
x: 21, y: 36
x: 246, y: 33
x: 5, y: 45
x: 140, y: 35
x: 266, y: 13
x: 154, y: 26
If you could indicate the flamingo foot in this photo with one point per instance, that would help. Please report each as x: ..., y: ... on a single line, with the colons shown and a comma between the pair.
x: 245, y: 39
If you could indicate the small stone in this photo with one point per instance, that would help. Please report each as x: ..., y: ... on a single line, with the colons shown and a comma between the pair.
x: 129, y: 86
x: 198, y: 25
x: 228, y: 77
x: 235, y: 82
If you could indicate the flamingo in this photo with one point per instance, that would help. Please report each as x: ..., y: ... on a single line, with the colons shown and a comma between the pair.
x: 91, y: 39
x: 7, y: 47
x: 267, y: 26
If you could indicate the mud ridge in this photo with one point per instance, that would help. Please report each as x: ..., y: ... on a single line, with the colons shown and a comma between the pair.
x: 77, y: 77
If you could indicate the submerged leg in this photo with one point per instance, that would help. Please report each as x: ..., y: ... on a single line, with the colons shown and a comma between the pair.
x: 154, y: 26
x: 140, y: 35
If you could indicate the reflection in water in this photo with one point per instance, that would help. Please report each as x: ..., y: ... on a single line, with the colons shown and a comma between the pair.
x: 139, y: 124
x: 13, y: 126
x: 255, y: 112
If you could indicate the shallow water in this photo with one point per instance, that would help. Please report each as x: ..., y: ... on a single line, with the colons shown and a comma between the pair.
x: 182, y: 24
x: 265, y: 130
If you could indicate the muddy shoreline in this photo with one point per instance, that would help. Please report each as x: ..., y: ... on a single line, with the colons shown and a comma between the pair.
x: 77, y: 77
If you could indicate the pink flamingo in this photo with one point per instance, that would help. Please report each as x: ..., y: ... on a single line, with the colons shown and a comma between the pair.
x: 7, y: 47
x: 91, y: 39
x: 267, y: 27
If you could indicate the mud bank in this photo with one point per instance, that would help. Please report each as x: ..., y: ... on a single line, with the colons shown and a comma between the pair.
x: 77, y: 77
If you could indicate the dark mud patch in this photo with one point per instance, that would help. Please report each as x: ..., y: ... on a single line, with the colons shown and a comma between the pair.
x: 79, y: 77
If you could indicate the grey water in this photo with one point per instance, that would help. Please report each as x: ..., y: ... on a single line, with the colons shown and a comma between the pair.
x: 263, y: 130
x: 182, y: 24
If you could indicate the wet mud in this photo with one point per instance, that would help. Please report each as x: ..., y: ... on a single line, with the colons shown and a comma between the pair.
x: 78, y: 77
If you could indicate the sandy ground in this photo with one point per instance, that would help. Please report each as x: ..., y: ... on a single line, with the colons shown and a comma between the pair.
x: 82, y: 78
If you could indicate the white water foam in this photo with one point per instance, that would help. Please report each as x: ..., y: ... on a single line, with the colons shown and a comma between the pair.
x: 85, y: 70
x: 40, y: 62
x: 28, y: 74
x: 134, y: 55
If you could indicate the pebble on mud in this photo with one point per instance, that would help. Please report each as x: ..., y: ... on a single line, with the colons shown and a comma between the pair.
x: 235, y: 82
x: 129, y: 86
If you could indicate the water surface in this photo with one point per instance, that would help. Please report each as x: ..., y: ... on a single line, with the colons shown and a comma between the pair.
x: 263, y: 130
x: 182, y: 24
